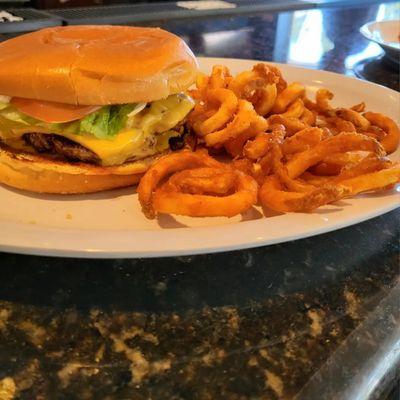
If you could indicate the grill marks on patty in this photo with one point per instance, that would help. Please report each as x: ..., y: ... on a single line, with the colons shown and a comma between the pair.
x: 60, y: 146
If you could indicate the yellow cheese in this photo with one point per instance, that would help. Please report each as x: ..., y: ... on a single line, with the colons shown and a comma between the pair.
x: 139, y: 139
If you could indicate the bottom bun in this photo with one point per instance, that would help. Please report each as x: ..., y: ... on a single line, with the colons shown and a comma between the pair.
x: 43, y: 175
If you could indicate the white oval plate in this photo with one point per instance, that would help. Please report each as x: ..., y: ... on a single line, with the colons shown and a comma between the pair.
x: 110, y: 224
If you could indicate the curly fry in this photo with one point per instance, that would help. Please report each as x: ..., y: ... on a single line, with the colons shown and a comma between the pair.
x: 292, y: 125
x: 302, y: 140
x: 288, y: 96
x: 327, y: 132
x: 249, y: 168
x: 334, y: 163
x: 308, y: 117
x: 201, y: 83
x: 366, y: 165
x: 295, y: 110
x: 235, y: 146
x: 258, y: 147
x: 258, y: 125
x: 264, y: 99
x: 312, y: 106
x: 228, y: 105
x: 245, y: 116
x: 375, y: 132
x: 168, y: 200
x: 322, y: 98
x: 262, y: 143
x: 243, y: 164
x: 391, y: 141
x: 354, y: 117
x: 278, y: 133
x: 360, y: 107
x: 344, y: 125
x: 219, y: 78
x: 374, y: 180
x: 272, y: 161
x: 202, y: 180
x: 271, y: 74
x: 272, y: 195
x: 200, y: 113
x: 258, y: 86
x: 292, y: 185
x: 166, y: 166
x: 244, y: 84
x: 275, y: 158
x: 337, y: 144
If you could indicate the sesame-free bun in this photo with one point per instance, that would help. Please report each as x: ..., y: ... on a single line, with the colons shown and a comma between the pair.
x: 42, y: 175
x: 96, y: 65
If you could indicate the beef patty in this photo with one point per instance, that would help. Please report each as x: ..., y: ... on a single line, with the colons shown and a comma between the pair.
x: 66, y: 149
x: 61, y: 146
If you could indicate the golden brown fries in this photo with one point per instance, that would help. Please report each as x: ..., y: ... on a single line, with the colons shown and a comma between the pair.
x: 282, y: 149
x: 164, y: 167
x: 288, y: 96
x: 197, y: 185
x: 303, y: 140
x: 337, y: 144
x: 390, y: 141
x: 322, y: 99
x: 274, y: 196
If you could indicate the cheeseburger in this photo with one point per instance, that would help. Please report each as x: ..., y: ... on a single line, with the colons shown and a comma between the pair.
x: 89, y: 108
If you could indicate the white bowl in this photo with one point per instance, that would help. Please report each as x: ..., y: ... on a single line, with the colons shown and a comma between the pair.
x: 387, y: 35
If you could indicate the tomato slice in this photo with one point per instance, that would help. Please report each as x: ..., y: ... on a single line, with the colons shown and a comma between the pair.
x: 52, y: 112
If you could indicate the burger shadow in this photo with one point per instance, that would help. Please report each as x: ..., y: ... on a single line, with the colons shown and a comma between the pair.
x: 167, y: 221
x: 104, y: 195
x: 333, y: 208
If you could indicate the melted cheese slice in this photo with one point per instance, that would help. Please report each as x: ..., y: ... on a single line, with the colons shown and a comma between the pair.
x: 142, y: 136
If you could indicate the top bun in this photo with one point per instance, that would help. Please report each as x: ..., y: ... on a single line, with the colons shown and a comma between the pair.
x: 96, y: 65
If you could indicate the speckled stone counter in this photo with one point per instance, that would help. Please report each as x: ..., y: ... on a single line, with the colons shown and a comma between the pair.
x: 309, y: 319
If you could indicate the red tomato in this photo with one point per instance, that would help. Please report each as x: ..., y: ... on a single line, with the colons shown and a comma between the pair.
x: 48, y: 111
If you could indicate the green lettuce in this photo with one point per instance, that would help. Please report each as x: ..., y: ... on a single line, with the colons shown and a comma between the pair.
x: 103, y: 124
x: 12, y: 114
x: 106, y: 122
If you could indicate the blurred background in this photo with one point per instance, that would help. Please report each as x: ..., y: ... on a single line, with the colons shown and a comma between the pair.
x: 320, y: 34
x: 49, y: 4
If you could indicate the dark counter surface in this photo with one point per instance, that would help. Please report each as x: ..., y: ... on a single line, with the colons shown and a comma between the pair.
x: 311, y: 319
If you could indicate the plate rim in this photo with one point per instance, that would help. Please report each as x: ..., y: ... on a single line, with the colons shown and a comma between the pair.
x: 107, y: 254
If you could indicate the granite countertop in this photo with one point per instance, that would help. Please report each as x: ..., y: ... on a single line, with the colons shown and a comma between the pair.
x: 315, y: 318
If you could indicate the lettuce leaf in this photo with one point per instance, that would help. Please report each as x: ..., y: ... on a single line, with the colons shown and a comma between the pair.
x: 106, y: 122
x: 103, y: 124
x: 13, y: 114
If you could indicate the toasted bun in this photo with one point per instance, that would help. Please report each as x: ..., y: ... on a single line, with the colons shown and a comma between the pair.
x: 38, y: 174
x: 96, y: 65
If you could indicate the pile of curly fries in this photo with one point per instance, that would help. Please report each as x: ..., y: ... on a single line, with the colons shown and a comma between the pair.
x: 285, y: 152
